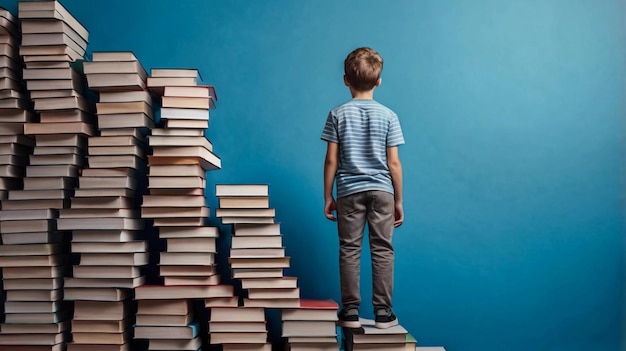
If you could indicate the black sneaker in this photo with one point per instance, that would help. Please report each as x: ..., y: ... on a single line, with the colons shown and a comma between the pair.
x: 385, y: 318
x: 349, y: 317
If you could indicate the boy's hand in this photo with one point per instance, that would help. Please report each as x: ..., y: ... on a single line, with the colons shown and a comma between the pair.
x: 329, y: 206
x: 398, y: 215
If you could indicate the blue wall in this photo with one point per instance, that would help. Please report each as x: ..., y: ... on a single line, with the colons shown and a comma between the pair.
x: 513, y: 112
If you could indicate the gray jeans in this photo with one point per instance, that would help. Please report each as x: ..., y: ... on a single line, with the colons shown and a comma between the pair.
x: 353, y: 211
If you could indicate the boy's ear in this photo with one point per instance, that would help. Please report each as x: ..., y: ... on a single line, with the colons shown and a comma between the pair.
x: 379, y: 81
x: 345, y: 81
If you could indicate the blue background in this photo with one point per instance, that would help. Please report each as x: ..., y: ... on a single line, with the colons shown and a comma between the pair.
x: 513, y: 113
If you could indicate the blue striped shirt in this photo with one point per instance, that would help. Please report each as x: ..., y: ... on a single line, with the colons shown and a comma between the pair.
x: 364, y: 129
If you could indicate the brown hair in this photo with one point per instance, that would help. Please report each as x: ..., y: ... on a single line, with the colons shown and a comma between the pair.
x: 362, y: 68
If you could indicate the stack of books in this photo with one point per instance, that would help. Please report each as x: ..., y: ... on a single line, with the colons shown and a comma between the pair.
x: 176, y: 182
x: 369, y: 338
x: 33, y: 260
x: 15, y: 108
x: 104, y: 213
x: 52, y: 40
x: 312, y: 327
x: 239, y: 328
x: 257, y: 254
x: 168, y: 325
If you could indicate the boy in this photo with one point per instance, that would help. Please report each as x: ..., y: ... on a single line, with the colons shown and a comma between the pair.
x: 362, y: 156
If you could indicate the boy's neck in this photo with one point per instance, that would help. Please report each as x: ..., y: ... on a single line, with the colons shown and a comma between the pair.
x: 362, y: 95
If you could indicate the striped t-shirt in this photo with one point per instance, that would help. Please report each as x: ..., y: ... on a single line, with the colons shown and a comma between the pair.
x: 364, y: 129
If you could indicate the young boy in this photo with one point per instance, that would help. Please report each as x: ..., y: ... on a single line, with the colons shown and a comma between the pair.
x: 362, y: 156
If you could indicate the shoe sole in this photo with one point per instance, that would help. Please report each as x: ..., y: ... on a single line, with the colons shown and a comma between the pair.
x: 349, y: 324
x: 385, y: 325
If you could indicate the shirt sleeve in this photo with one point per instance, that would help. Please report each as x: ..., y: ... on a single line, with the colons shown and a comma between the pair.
x: 394, y: 135
x: 330, y: 130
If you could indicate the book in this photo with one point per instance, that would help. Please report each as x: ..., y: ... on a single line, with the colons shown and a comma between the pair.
x: 238, y: 338
x: 156, y: 140
x: 192, y: 280
x: 265, y: 262
x: 184, y: 113
x: 244, y: 202
x: 210, y: 163
x: 162, y: 320
x: 187, y: 102
x: 33, y: 272
x: 127, y: 283
x: 239, y: 314
x: 250, y: 242
x: 268, y: 283
x: 163, y: 307
x: 245, y: 212
x: 101, y: 338
x: 173, y: 201
x: 106, y: 272
x: 271, y: 303
x: 101, y: 310
x: 188, y: 232
x: 166, y: 332
x: 186, y: 258
x: 243, y: 273
x: 113, y: 56
x: 199, y: 91
x: 191, y: 245
x: 241, y: 190
x: 154, y: 292
x: 257, y: 229
x: 237, y: 326
x: 95, y: 294
x: 247, y: 347
x: 187, y: 271
x: 33, y: 284
x: 91, y: 347
x: 116, y: 259
x: 257, y: 252
x: 231, y: 302
x: 175, y: 344
x: 312, y: 310
x: 309, y: 328
x: 102, y: 247
x: 34, y: 295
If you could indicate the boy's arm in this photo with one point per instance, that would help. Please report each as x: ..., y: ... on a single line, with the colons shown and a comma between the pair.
x: 330, y: 169
x: 395, y: 167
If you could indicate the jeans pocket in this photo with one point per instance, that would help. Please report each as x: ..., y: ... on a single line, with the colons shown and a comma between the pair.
x: 383, y: 202
x: 346, y: 205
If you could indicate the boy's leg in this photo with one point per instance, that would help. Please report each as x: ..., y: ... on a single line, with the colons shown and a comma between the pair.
x: 380, y: 217
x: 351, y: 214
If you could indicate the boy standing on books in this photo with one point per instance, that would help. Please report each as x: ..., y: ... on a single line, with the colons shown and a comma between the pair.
x: 362, y: 157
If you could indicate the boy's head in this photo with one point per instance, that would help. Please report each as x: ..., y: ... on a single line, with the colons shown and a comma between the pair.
x: 362, y: 69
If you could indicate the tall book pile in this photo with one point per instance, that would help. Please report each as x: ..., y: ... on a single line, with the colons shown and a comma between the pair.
x: 15, y: 108
x: 52, y: 40
x: 368, y: 337
x: 257, y: 255
x: 239, y: 328
x: 312, y: 327
x: 104, y: 213
x: 181, y: 156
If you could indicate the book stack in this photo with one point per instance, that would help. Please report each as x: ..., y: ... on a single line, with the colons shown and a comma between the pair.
x: 369, y: 338
x: 180, y: 158
x: 312, y: 327
x: 239, y: 328
x: 104, y: 213
x: 51, y: 43
x: 33, y: 259
x: 15, y: 108
x: 168, y: 325
x: 165, y: 318
x: 257, y: 255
